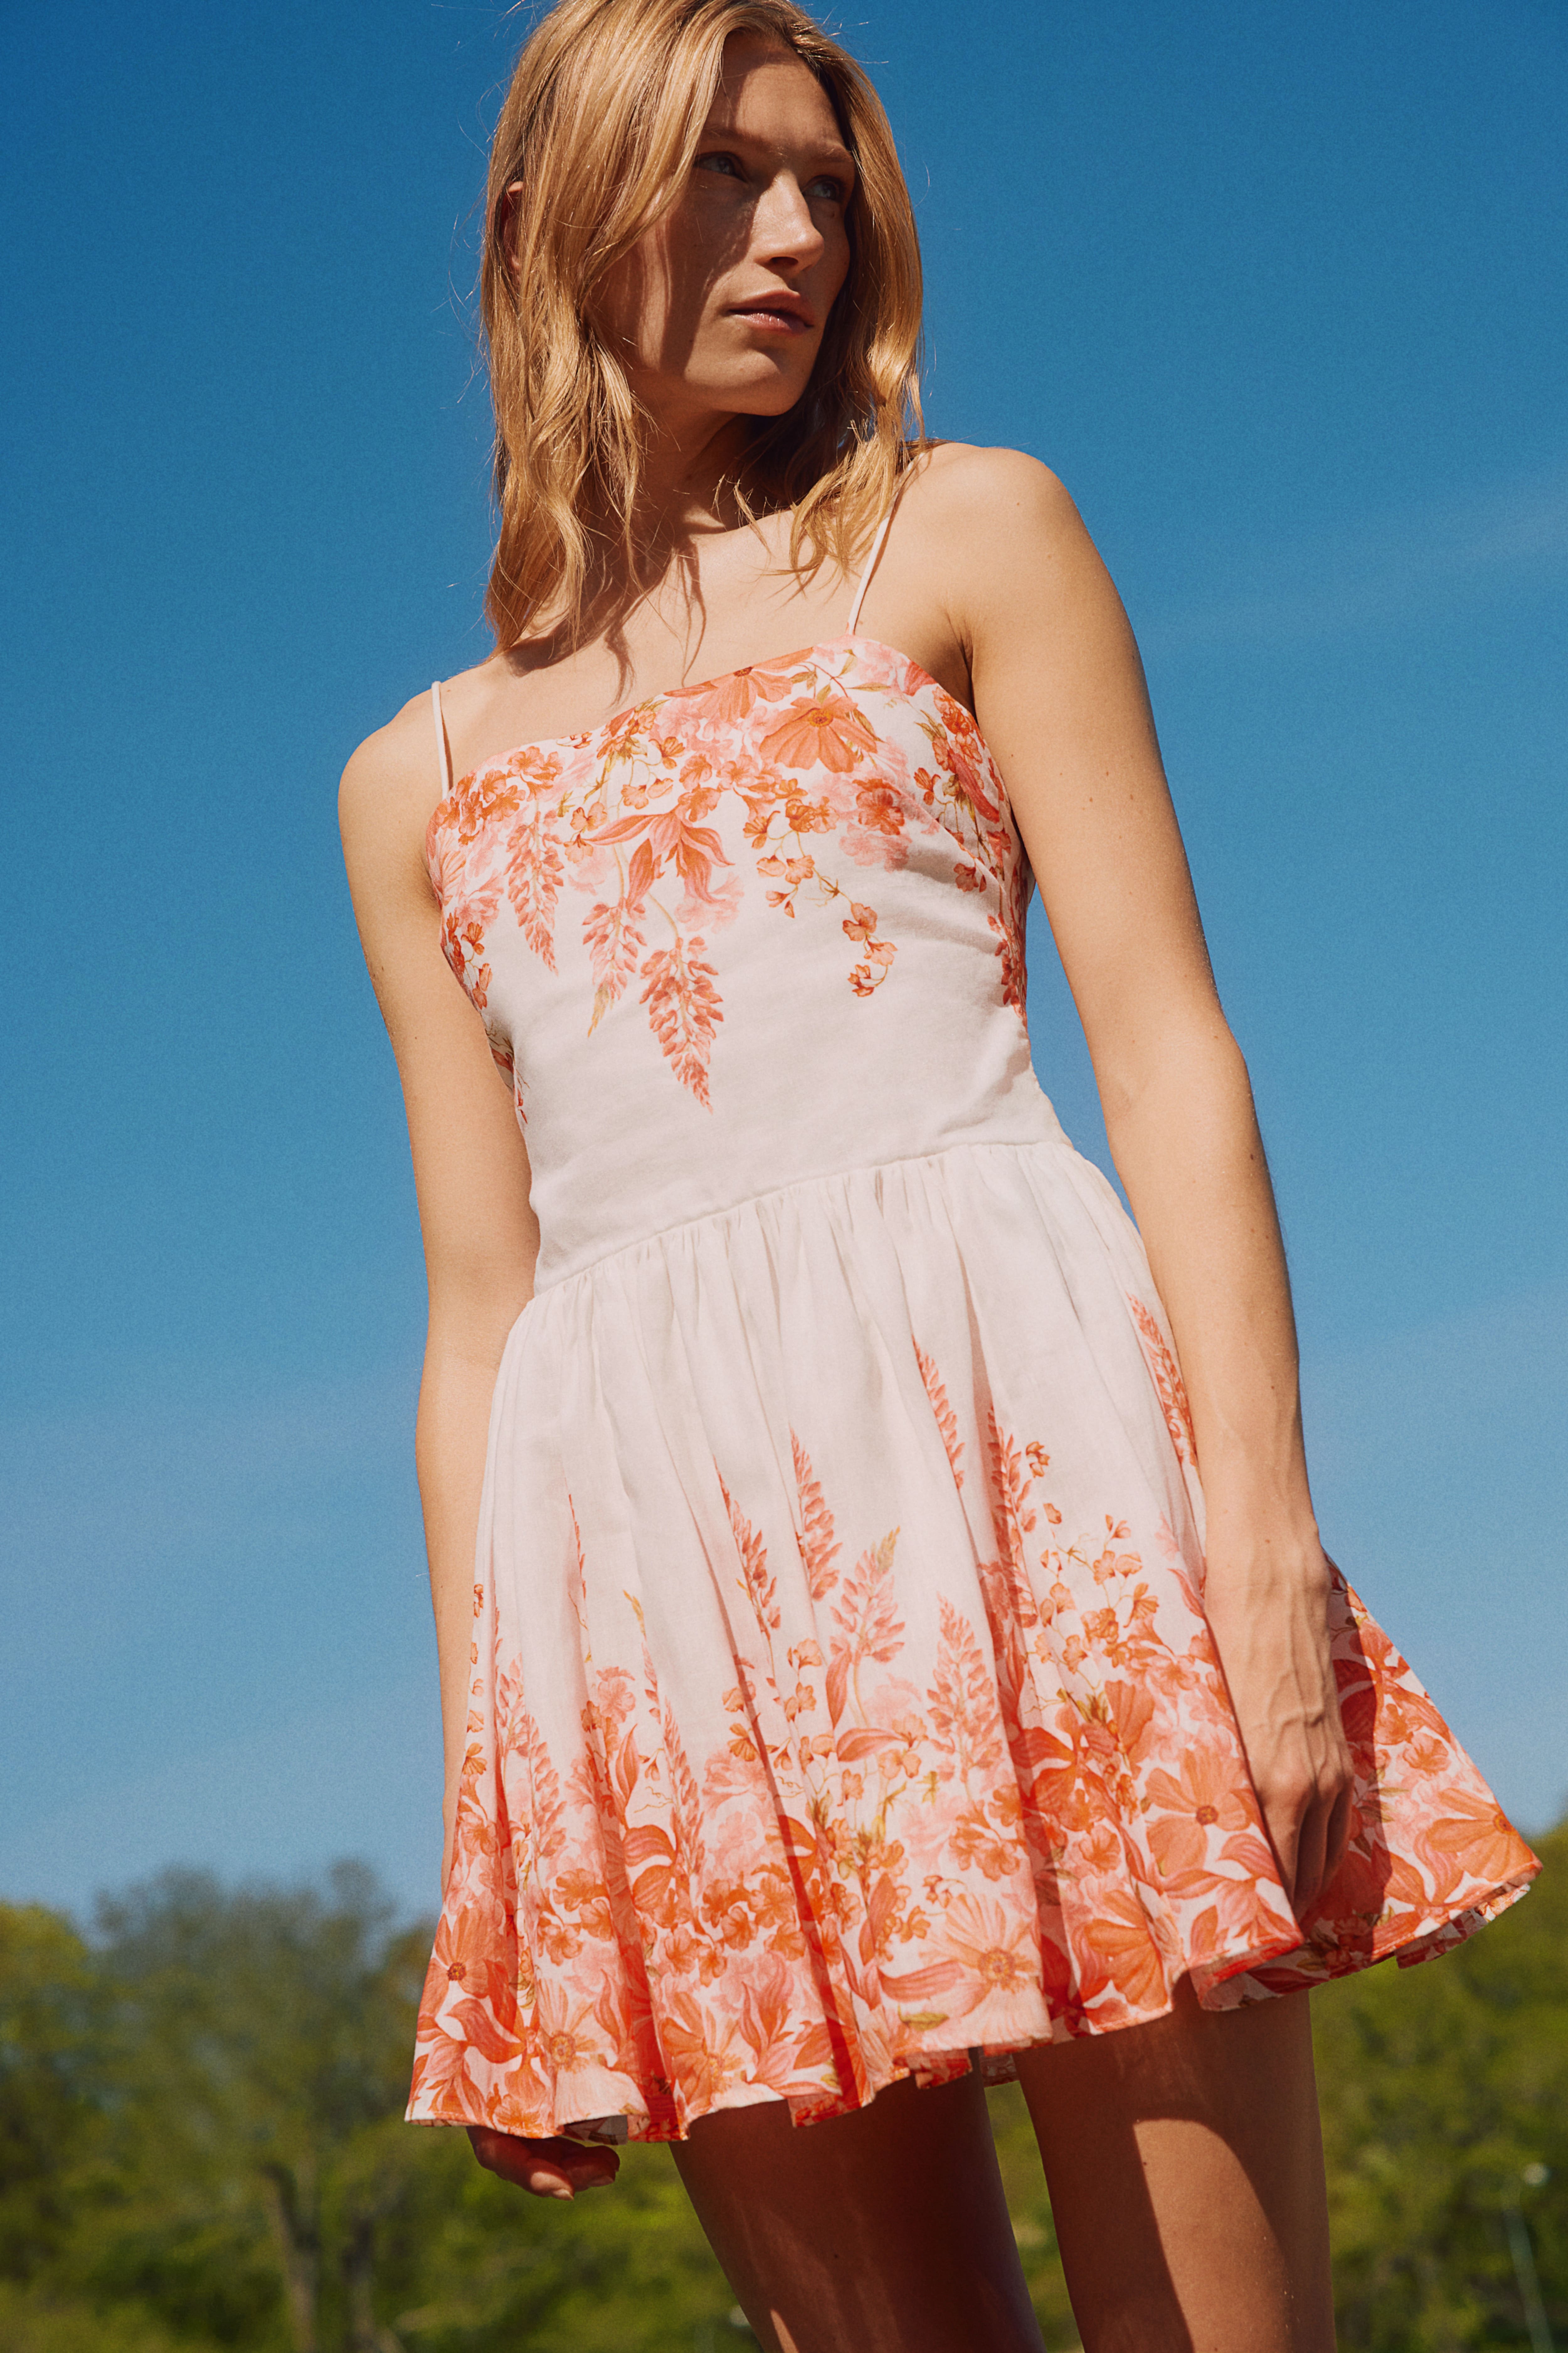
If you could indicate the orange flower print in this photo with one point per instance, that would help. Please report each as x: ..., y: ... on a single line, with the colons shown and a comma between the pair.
x: 1009, y: 939
x: 469, y: 1948
x: 729, y: 699
x: 880, y: 808
x: 819, y: 1547
x: 865, y: 1801
x: 965, y: 1717
x: 946, y: 1419
x: 860, y: 923
x: 683, y: 1005
x: 959, y: 748
x: 627, y: 814
x: 1473, y: 1840
x: 996, y: 1986
x: 615, y: 941
x: 561, y: 2045
x: 1123, y: 1957
x: 881, y: 1864
x: 826, y: 730
x: 1203, y: 1798
x: 534, y: 873
x: 1168, y: 1382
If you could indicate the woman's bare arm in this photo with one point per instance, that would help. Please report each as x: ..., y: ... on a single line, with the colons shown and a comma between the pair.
x: 1059, y: 695
x: 470, y: 1170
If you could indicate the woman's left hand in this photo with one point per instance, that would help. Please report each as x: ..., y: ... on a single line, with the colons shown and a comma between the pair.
x: 1267, y: 1604
x: 545, y: 2168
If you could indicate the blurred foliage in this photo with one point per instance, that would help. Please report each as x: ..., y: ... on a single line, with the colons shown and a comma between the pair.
x: 1445, y: 2099
x: 201, y: 2146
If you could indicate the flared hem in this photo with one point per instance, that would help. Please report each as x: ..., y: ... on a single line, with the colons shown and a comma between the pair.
x: 1247, y: 1978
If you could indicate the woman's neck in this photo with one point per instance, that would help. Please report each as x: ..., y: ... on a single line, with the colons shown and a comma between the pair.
x: 689, y: 468
x: 685, y: 495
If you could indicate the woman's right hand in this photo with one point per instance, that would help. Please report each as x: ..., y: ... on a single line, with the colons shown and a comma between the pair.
x: 545, y: 2168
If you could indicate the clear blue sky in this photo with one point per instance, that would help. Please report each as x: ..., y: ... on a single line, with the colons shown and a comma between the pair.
x: 1279, y: 292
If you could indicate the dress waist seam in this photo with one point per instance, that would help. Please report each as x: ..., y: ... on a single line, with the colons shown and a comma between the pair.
x: 750, y: 1202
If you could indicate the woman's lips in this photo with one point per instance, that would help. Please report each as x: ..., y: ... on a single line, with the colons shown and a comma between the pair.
x: 779, y: 322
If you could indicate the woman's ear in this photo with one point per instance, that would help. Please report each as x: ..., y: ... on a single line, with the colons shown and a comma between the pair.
x: 506, y: 222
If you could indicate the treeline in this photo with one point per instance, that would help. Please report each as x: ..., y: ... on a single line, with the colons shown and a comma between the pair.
x: 201, y: 2146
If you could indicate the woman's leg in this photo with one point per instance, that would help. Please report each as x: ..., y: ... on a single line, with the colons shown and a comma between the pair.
x: 1185, y: 2168
x: 883, y: 2231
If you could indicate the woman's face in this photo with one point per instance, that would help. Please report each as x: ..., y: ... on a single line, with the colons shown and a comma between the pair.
x: 720, y: 307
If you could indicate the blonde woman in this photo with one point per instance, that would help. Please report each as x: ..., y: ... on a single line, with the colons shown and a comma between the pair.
x: 856, y: 1697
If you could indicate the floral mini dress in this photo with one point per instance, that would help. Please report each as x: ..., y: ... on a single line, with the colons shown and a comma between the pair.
x: 843, y: 1705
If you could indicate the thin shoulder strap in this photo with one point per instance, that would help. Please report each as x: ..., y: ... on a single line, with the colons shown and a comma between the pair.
x: 443, y: 750
x: 877, y: 546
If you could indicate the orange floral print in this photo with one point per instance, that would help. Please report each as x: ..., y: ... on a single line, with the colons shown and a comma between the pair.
x: 882, y: 1872
x: 684, y: 1008
x: 819, y: 1547
x: 946, y: 1419
x: 1168, y: 1382
x: 827, y: 729
x: 628, y: 806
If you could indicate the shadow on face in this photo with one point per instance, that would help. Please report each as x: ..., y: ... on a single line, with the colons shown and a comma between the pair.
x: 721, y: 306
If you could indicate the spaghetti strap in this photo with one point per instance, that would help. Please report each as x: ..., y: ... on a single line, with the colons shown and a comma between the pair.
x: 443, y: 753
x: 877, y: 546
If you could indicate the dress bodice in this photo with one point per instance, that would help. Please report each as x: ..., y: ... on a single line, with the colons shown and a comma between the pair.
x: 751, y: 931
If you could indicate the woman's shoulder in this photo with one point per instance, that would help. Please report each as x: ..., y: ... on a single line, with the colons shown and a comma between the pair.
x: 391, y: 784
x: 396, y: 776
x: 958, y: 484
x: 993, y: 524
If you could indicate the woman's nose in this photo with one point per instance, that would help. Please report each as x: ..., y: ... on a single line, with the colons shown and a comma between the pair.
x: 783, y: 228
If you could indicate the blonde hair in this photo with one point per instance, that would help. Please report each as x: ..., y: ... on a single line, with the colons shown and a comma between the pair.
x: 599, y: 128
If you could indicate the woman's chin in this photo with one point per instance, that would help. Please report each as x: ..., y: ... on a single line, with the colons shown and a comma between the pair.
x: 765, y: 389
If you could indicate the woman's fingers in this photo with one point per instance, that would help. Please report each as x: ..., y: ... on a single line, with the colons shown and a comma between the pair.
x: 1340, y: 1828
x: 1282, y: 1821
x: 546, y: 2168
x: 1312, y: 1845
x: 1309, y: 1834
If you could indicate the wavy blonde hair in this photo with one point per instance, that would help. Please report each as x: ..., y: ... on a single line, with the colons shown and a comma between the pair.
x: 598, y: 132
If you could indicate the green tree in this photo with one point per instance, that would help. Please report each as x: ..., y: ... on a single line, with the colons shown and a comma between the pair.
x: 625, y: 2270
x: 47, y: 2068
x: 240, y: 2175
x: 1445, y: 2096
x: 46, y: 2084
x: 51, y: 2119
x: 256, y: 2046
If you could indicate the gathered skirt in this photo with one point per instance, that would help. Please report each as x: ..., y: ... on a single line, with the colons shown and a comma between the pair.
x: 842, y: 1704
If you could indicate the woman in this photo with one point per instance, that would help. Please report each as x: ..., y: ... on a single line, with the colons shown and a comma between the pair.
x: 848, y: 1705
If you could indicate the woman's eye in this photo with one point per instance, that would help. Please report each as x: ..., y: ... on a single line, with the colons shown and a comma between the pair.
x: 828, y: 191
x: 719, y: 161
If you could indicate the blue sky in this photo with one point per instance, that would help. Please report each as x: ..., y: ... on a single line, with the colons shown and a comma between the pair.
x: 1280, y: 290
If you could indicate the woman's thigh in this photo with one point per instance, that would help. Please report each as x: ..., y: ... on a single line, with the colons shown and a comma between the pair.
x: 1185, y: 2168
x: 883, y: 2231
